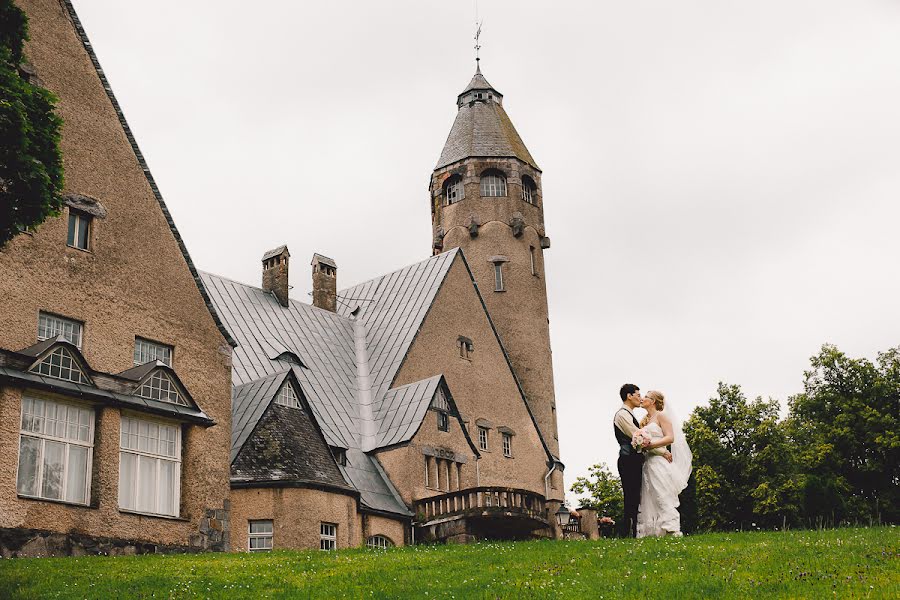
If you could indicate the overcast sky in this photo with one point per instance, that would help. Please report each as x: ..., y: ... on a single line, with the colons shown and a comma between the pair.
x: 721, y: 178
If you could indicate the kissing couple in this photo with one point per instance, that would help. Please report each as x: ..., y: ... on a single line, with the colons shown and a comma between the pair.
x: 654, y: 464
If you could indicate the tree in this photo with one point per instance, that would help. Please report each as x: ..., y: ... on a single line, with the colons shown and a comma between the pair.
x: 603, y: 492
x: 744, y: 463
x: 846, y: 426
x: 31, y: 173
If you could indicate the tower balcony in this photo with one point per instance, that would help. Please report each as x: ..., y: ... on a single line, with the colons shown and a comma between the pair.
x: 487, y: 512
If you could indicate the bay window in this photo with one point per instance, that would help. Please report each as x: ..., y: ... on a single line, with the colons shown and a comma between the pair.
x: 149, y: 467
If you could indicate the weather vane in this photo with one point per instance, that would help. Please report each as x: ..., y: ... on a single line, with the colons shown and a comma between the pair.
x: 477, y: 35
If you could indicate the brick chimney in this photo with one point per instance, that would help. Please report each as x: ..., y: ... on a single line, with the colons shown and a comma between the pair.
x: 324, y: 276
x: 275, y: 273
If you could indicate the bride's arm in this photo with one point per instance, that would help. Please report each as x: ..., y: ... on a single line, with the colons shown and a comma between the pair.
x: 668, y: 433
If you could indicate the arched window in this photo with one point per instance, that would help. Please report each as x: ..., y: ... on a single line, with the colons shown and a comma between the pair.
x: 529, y: 190
x: 379, y: 541
x: 493, y: 183
x: 453, y: 190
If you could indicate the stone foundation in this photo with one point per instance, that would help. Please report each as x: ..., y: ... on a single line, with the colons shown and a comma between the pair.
x: 31, y: 543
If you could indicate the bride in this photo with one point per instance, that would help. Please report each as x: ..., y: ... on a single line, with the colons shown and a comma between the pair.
x: 662, y: 482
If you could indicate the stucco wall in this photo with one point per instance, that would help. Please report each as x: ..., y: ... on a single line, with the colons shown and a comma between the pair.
x: 134, y: 281
x: 483, y: 388
x: 297, y: 513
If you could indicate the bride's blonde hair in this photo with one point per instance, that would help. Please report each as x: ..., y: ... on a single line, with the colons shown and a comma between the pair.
x: 659, y: 402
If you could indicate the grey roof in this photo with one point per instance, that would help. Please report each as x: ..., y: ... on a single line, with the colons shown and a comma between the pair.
x: 137, y: 373
x: 483, y: 129
x: 318, y: 258
x: 276, y: 252
x: 248, y: 402
x: 86, y: 44
x: 479, y: 83
x: 392, y: 308
x: 400, y: 413
x: 36, y: 350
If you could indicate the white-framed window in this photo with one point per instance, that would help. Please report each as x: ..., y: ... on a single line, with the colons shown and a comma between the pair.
x: 79, y: 235
x: 483, y: 438
x: 529, y: 190
x: 159, y: 386
x: 379, y: 541
x: 56, y: 447
x: 60, y: 364
x: 533, y: 260
x: 51, y: 326
x: 149, y: 466
x: 146, y: 351
x: 327, y: 536
x: 453, y: 190
x: 260, y: 536
x: 507, y: 444
x: 498, y: 277
x: 493, y: 184
x: 287, y: 396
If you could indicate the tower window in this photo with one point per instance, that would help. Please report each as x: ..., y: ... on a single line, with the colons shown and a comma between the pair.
x: 529, y: 190
x: 466, y: 347
x: 507, y: 445
x: 453, y: 190
x: 498, y: 277
x: 79, y: 230
x: 533, y: 260
x: 493, y: 184
x: 483, y: 438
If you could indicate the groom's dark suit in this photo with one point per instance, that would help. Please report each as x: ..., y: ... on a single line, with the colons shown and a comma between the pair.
x: 630, y: 469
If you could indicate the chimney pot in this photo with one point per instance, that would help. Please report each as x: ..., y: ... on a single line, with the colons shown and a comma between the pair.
x: 324, y: 276
x: 275, y: 273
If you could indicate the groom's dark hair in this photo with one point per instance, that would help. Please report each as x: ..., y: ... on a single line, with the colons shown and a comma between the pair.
x: 628, y: 388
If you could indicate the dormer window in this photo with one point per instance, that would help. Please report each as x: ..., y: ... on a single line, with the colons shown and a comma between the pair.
x: 159, y: 386
x: 529, y: 190
x: 493, y: 184
x: 340, y: 455
x: 61, y: 364
x: 287, y: 396
x: 453, y: 190
x: 442, y: 406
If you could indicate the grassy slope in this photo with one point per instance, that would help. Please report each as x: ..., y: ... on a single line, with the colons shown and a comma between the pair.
x: 847, y: 563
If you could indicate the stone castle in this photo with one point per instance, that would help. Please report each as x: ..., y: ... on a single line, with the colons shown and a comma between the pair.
x: 147, y: 406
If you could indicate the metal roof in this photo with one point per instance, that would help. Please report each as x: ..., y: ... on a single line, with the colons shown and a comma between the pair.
x: 391, y: 311
x: 401, y: 411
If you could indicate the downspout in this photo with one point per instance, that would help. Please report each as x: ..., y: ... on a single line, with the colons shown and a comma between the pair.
x: 363, y: 386
x: 547, y: 480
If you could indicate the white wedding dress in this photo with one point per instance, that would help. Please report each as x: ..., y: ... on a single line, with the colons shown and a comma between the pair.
x: 661, y: 483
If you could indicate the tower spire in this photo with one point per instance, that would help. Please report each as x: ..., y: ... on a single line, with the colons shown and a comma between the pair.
x: 477, y: 39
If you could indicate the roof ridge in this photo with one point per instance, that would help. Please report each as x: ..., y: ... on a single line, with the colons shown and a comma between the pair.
x: 389, y: 273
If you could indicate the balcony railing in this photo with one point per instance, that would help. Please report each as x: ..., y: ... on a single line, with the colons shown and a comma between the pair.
x: 483, y: 501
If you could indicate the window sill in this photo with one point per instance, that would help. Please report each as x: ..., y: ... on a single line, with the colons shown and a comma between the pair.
x: 53, y: 501
x: 508, y: 456
x: 153, y: 515
x: 85, y: 250
x: 499, y: 291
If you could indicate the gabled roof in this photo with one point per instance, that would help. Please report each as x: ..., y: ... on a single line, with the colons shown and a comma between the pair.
x: 85, y: 42
x: 391, y: 311
x: 401, y: 411
x: 483, y: 129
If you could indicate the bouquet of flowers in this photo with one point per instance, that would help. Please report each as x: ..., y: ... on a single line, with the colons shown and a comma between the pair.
x: 640, y: 439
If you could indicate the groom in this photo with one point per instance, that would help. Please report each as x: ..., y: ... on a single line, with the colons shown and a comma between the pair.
x: 631, y: 461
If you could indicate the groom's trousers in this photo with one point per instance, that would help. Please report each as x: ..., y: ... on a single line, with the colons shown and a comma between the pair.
x: 630, y: 470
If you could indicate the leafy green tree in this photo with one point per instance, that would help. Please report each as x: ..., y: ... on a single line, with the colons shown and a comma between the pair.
x: 846, y: 427
x: 31, y: 172
x: 744, y: 464
x: 602, y: 491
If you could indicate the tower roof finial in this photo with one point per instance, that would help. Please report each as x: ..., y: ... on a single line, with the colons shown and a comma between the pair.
x: 477, y: 39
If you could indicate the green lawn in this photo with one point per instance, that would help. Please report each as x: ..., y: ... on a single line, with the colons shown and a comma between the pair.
x: 845, y: 563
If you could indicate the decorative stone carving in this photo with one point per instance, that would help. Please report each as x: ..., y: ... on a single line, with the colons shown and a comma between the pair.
x: 438, y: 241
x: 545, y: 242
x: 517, y: 222
x: 473, y: 225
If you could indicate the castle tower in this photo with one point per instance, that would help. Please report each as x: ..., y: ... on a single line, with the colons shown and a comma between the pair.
x: 486, y: 198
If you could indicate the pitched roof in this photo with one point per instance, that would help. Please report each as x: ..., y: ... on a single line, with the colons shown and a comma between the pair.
x: 276, y: 252
x: 85, y: 42
x: 402, y: 409
x: 391, y: 311
x: 482, y: 129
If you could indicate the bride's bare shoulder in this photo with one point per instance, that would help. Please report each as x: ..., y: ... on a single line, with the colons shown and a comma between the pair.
x: 662, y: 418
